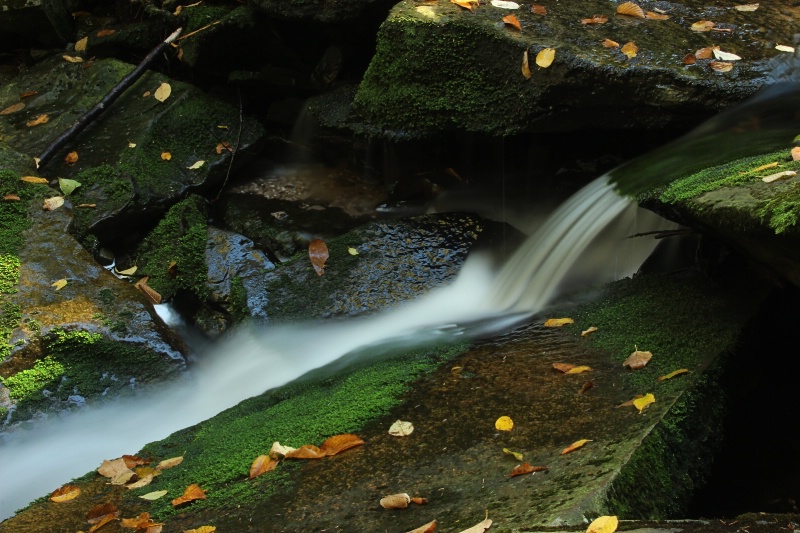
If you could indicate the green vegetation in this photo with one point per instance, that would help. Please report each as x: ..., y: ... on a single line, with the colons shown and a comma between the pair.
x: 28, y: 384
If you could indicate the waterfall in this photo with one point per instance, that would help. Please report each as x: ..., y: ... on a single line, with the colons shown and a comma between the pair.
x: 37, y: 461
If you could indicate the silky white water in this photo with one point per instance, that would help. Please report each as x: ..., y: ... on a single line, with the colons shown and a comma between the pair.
x: 589, y: 231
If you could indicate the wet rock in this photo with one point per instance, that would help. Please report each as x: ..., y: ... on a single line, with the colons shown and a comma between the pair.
x: 442, y: 67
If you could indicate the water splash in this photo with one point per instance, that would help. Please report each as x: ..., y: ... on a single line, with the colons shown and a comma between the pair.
x: 252, y: 361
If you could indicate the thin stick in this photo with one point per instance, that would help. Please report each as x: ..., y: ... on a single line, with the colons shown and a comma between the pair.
x: 107, y: 100
x: 236, y: 148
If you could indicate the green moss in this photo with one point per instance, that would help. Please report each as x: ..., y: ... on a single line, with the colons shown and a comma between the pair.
x: 218, y: 452
x: 198, y: 16
x: 238, y: 300
x: 782, y: 209
x: 117, y: 192
x: 180, y: 238
x: 30, y: 383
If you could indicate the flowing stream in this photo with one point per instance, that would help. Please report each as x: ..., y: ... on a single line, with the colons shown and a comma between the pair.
x: 590, y: 229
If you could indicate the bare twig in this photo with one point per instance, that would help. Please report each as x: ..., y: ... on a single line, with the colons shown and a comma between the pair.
x: 88, y: 117
x: 235, y: 148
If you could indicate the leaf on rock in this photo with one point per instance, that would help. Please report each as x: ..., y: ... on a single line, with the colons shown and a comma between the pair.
x: 99, y: 511
x: 202, y: 529
x: 589, y: 331
x: 579, y: 369
x: 630, y: 402
x: 563, y: 367
x: 81, y: 44
x: 466, y: 4
x: 71, y: 158
x: 608, y: 43
x: 503, y: 4
x: 689, y: 59
x: 262, y: 465
x: 504, y: 423
x: 545, y: 57
x: 193, y: 492
x: 67, y: 185
x: 103, y: 520
x: 644, y: 401
x: 53, y: 203
x: 279, y: 449
x: 128, y: 272
x: 143, y: 481
x: 702, y: 25
x: 673, y: 374
x: 784, y: 48
x: 557, y: 322
x: 13, y: 108
x: 725, y: 56
x: 401, y: 428
x: 511, y: 20
x: 603, y: 524
x: 11, y: 198
x: 706, y: 53
x: 339, y: 443
x: 60, y: 284
x: 166, y: 156
x: 106, y: 33
x: 417, y: 500
x: 40, y: 119
x: 765, y: 167
x: 170, y: 463
x: 396, y: 501
x: 525, y: 468
x: 479, y: 528
x: 595, y: 19
x: 318, y: 254
x: 163, y: 92
x: 143, y: 521
x: 223, y: 146
x: 638, y: 359
x: 779, y: 176
x: 630, y: 9
x: 538, y: 10
x: 586, y: 386
x: 430, y: 527
x: 656, y: 16
x: 352, y: 251
x: 795, y: 153
x: 746, y: 7
x: 148, y: 291
x: 153, y: 495
x: 526, y: 69
x: 196, y: 165
x: 574, y: 446
x: 65, y: 493
x: 516, y: 455
x: 306, y: 451
x: 629, y: 49
x: 72, y: 59
x: 34, y: 179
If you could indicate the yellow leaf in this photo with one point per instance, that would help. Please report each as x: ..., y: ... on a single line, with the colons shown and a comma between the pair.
x: 779, y: 176
x: 202, y: 529
x: 578, y: 370
x: 53, y: 203
x: 12, y: 108
x: 65, y: 493
x: 746, y: 7
x: 604, y: 524
x: 71, y: 158
x: 673, y: 374
x: 127, y: 272
x: 629, y: 49
x: 574, y: 446
x: 765, y: 167
x: 630, y: 9
x: 153, y: 495
x: 702, y: 25
x: 517, y: 455
x: 401, y: 428
x: 526, y: 69
x: 589, y: 331
x: 80, y: 45
x: 545, y: 57
x: 637, y: 360
x: 131, y: 145
x: 170, y: 463
x: 352, y: 251
x: 196, y: 165
x: 644, y: 401
x: 73, y: 59
x: 557, y: 322
x: 166, y: 156
x: 40, y: 119
x: 163, y: 92
x: 34, y: 179
x: 504, y: 423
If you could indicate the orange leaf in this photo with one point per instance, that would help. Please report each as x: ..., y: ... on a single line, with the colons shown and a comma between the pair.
x: 702, y: 25
x: 588, y: 331
x: 631, y: 10
x: 795, y: 153
x: 71, y: 158
x: 193, y: 492
x: 201, y: 529
x: 132, y: 460
x: 340, y: 443
x: 595, y: 19
x: 586, y: 386
x: 629, y: 49
x: 41, y: 119
x: 28, y: 94
x: 526, y: 69
x: 538, y: 10
x: 608, y: 43
x: 430, y: 527
x: 574, y: 446
x: 656, y: 16
x: 166, y: 156
x: 511, y: 20
x: 721, y: 66
x: 65, y: 493
x: 33, y: 179
x: 466, y: 4
x: 563, y: 367
x: 149, y: 292
x: 525, y: 468
x: 11, y: 198
x: 418, y: 500
x: 224, y: 145
x: 557, y: 322
x: 307, y: 451
x: 13, y: 108
x: 395, y: 501
x: 318, y: 254
x: 689, y: 59
x: 262, y: 465
x: 706, y: 53
x: 143, y: 521
x: 102, y: 521
x: 105, y: 33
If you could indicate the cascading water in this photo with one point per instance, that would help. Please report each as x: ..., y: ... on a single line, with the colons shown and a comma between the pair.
x: 37, y: 461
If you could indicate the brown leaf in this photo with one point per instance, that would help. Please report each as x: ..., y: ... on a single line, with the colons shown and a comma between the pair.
x: 525, y: 468
x: 148, y: 291
x: 133, y: 460
x: 11, y: 198
x: 339, y: 443
x: 419, y: 500
x: 395, y: 501
x: 170, y: 463
x: 261, y: 465
x: 71, y: 158
x: 224, y: 145
x: 28, y: 94
x: 702, y: 25
x: 631, y: 10
x: 608, y: 43
x: 656, y: 16
x: 318, y: 254
x: 795, y: 153
x: 41, y: 119
x: 117, y: 471
x: 629, y: 49
x: 595, y: 19
x: 637, y: 359
x: 143, y: 521
x: 430, y: 527
x: 586, y: 386
x: 526, y: 69
x: 102, y: 521
x: 706, y: 53
x: 574, y: 446
x: 511, y: 20
x: 721, y: 66
x: 466, y: 4
x: 143, y: 481
x: 65, y: 493
x: 538, y: 10
x: 106, y: 33
x: 13, y: 108
x: 689, y: 59
x: 307, y: 451
x: 193, y: 492
x: 97, y: 512
x: 563, y: 367
x: 479, y: 528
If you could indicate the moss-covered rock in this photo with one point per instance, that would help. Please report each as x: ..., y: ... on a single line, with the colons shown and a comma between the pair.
x: 319, y: 11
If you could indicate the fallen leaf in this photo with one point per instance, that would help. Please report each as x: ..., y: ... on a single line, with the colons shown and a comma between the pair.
x: 224, y: 145
x: 401, y: 428
x: 166, y: 156
x: 656, y: 16
x: 128, y: 271
x: 503, y: 4
x: 202, y: 529
x: 163, y: 92
x: 73, y: 59
x: 466, y: 4
x: 28, y: 94
x: 418, y: 500
x: 352, y: 251
x: 579, y: 369
x: 504, y: 423
x: 479, y: 528
x: 117, y: 471
x: 96, y: 513
x: 795, y: 153
x: 631, y: 10
x: 637, y: 359
x: 430, y: 527
x: 629, y: 403
x: 525, y: 468
x: 11, y: 198
x: 765, y: 167
x: 13, y: 108
x: 53, y: 203
x: 725, y: 56
x: 67, y: 185
x: 71, y: 158
x: 65, y: 493
x: 608, y: 43
x: 517, y: 455
x: 563, y: 367
x: 193, y: 492
x: 589, y: 331
x: 148, y: 291
x: 673, y: 374
x: 143, y: 521
x: 34, y: 179
x: 721, y: 66
x: 644, y: 401
x: 586, y: 386
x: 545, y: 57
x: 279, y: 449
x: 81, y: 44
x: 603, y: 524
x: 557, y: 322
x: 526, y: 69
x: 306, y: 451
x: 395, y: 501
x: 779, y: 176
x: 143, y: 482
x: 689, y: 59
x: 511, y: 20
x: 784, y: 48
x: 629, y: 49
x: 706, y: 53
x: 146, y: 94
x: 261, y: 465
x: 318, y: 254
x: 196, y: 165
x: 40, y: 119
x: 746, y: 7
x: 595, y: 19
x: 105, y: 519
x: 60, y: 284
x: 538, y: 10
x: 339, y: 443
x: 702, y: 25
x: 153, y: 495
x: 574, y: 446
x: 105, y: 33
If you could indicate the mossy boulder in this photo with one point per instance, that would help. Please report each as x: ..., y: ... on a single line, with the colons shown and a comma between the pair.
x: 319, y: 11
x: 441, y: 67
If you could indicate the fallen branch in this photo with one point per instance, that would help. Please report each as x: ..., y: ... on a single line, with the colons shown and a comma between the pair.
x: 88, y: 117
